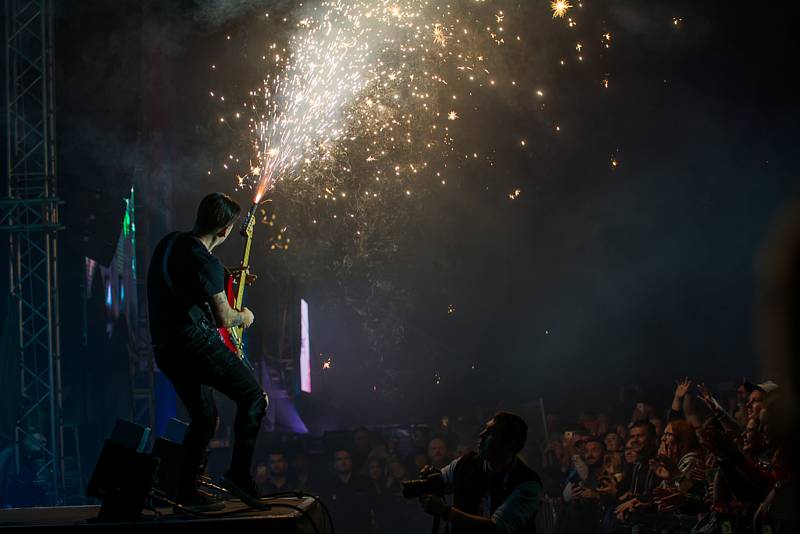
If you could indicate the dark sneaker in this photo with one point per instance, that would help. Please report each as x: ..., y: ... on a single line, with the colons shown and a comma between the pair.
x: 200, y: 501
x: 246, y: 490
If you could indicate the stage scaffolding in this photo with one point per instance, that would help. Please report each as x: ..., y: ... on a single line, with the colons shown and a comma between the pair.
x: 29, y: 214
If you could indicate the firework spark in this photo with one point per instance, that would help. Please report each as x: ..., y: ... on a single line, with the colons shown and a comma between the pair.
x: 560, y: 8
x: 439, y: 35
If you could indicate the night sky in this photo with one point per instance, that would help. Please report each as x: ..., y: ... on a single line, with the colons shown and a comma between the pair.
x: 594, y: 277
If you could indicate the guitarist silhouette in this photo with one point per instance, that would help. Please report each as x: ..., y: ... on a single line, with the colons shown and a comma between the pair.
x: 187, y: 303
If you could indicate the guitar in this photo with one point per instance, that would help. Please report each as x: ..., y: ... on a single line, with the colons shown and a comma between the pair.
x: 234, y: 286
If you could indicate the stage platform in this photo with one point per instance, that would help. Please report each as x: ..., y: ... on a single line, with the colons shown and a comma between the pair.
x: 280, y: 519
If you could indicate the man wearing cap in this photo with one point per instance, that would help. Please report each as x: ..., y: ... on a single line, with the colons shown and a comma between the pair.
x: 757, y: 393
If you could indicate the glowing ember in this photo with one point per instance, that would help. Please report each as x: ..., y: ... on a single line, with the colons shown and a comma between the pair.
x: 560, y: 7
x: 439, y: 35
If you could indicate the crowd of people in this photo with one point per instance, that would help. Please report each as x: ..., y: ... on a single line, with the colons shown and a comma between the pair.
x: 358, y: 478
x: 696, y: 468
x: 703, y: 465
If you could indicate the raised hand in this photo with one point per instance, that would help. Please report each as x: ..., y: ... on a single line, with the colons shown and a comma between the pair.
x: 682, y: 387
x: 704, y: 394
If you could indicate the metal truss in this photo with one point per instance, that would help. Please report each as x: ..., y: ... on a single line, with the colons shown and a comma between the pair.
x: 29, y: 214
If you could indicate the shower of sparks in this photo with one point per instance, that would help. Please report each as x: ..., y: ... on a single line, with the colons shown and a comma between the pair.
x: 327, y: 68
x: 361, y: 72
x: 350, y: 112
x: 560, y: 8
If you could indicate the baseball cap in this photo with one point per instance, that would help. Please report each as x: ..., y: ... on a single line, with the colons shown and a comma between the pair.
x: 767, y: 386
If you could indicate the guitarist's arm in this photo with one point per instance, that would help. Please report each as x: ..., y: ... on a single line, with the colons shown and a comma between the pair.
x: 227, y: 316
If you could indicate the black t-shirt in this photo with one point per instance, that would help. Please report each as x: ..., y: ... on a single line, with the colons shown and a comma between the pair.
x: 196, y: 275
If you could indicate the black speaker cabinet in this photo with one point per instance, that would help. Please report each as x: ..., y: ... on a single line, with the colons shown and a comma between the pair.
x: 170, y: 456
x: 121, y: 480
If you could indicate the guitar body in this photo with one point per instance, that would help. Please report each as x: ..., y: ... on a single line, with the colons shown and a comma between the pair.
x: 224, y: 333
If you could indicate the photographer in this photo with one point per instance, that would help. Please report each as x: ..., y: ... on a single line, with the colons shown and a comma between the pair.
x: 493, y: 490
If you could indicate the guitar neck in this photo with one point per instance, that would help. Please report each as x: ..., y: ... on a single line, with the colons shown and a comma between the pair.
x: 243, y: 276
x: 247, y: 232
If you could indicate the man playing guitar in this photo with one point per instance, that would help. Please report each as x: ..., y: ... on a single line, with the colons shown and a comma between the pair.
x: 187, y: 303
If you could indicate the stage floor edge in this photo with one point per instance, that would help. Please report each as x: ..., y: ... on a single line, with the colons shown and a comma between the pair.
x: 279, y: 519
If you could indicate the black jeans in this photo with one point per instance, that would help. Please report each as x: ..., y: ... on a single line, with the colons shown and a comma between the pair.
x: 194, y: 368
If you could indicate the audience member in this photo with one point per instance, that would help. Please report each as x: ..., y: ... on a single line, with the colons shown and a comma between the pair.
x: 438, y: 455
x: 278, y: 480
x: 347, y: 496
x: 362, y: 445
x: 303, y: 480
x: 582, y: 513
x: 639, y: 480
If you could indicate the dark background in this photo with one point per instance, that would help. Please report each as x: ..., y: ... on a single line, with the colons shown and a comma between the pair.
x: 594, y: 278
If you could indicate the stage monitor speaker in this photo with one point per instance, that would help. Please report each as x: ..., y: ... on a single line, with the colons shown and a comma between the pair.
x: 176, y: 430
x: 170, y: 456
x: 122, y: 480
x: 131, y: 435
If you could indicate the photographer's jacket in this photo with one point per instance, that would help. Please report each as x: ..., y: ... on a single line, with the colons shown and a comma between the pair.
x: 511, y: 499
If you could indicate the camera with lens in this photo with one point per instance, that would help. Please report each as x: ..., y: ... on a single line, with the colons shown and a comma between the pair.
x: 431, y: 484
